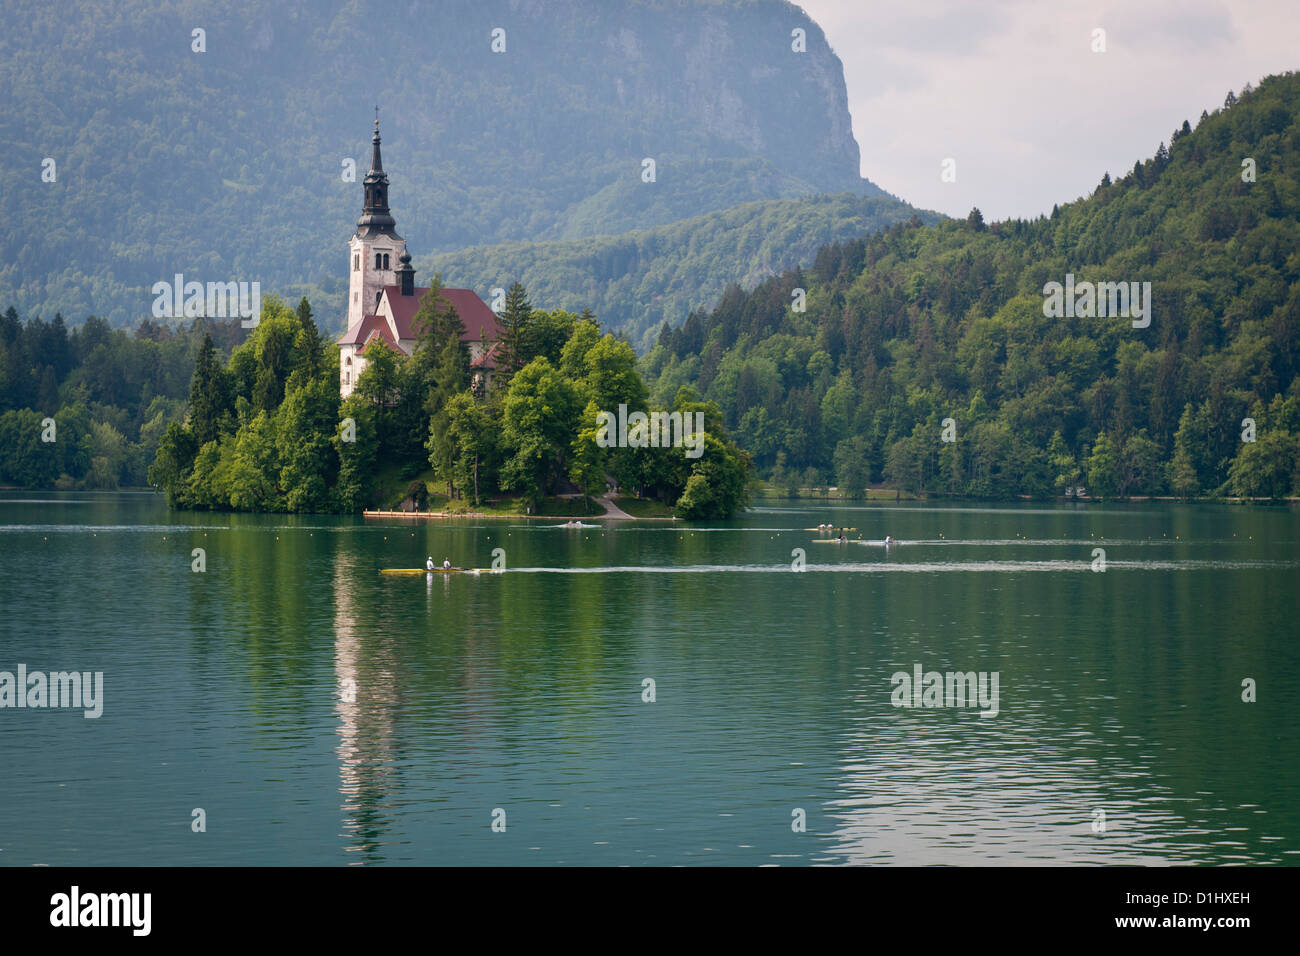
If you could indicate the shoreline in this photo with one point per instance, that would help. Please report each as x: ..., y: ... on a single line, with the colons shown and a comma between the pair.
x: 521, y: 517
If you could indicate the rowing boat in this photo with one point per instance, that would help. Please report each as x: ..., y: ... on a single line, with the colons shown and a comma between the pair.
x: 428, y: 571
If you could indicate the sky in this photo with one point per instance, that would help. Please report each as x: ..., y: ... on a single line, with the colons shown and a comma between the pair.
x: 1013, y: 92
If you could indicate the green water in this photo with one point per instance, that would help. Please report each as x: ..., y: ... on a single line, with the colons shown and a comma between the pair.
x: 321, y: 713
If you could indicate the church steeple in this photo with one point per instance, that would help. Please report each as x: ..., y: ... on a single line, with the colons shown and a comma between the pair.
x: 375, y: 219
x: 405, y: 273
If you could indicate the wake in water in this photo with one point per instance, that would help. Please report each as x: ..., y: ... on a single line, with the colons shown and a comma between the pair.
x: 921, y: 567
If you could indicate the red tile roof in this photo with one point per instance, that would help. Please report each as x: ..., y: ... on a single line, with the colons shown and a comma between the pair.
x: 367, y: 329
x: 480, y: 321
x: 488, y: 359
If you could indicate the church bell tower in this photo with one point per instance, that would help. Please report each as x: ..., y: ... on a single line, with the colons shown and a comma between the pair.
x: 375, y: 246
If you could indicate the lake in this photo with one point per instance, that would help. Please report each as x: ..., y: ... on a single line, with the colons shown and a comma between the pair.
x: 305, y: 709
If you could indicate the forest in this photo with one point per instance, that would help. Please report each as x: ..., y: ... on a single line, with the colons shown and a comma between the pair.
x: 923, y: 357
x: 110, y: 394
x: 638, y: 280
x: 267, y: 431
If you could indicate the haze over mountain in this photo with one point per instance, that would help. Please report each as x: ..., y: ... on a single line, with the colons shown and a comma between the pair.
x: 227, y: 164
x: 638, y: 280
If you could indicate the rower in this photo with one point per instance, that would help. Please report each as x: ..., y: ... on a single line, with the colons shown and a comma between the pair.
x: 429, y: 564
x: 446, y: 564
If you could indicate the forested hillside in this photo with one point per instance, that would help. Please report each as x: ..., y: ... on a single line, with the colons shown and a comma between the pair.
x: 110, y: 396
x: 640, y: 279
x: 229, y: 163
x: 925, y: 323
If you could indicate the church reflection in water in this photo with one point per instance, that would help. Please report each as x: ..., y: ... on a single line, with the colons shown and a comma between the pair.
x: 365, y: 704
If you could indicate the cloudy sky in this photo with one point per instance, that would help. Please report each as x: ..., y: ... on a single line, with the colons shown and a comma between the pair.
x: 1012, y: 91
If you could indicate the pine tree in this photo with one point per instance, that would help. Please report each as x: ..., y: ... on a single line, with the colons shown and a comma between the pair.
x: 440, y: 365
x: 209, y: 395
x: 515, y: 318
x: 309, y: 344
x: 305, y: 318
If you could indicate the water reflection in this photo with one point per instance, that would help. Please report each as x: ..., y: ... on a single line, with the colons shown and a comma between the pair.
x: 364, y: 703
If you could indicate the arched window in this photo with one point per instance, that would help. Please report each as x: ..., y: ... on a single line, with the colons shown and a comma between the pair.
x: 356, y: 263
x: 379, y: 261
x: 385, y: 260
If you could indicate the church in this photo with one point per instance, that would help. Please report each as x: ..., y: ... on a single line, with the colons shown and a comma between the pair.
x: 383, y: 297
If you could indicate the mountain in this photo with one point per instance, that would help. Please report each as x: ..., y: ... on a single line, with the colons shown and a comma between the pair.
x: 230, y: 163
x: 925, y: 333
x: 638, y: 280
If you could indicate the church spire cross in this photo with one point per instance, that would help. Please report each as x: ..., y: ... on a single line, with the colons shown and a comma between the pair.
x: 376, y: 164
x: 376, y: 219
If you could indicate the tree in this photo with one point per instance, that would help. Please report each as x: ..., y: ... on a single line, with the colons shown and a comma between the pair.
x: 309, y: 347
x: 611, y: 376
x: 586, y: 457
x: 516, y: 320
x: 903, y: 465
x: 1140, y: 465
x: 356, y: 442
x: 25, y: 459
x: 573, y: 357
x: 547, y: 332
x: 540, y: 418
x: 784, y: 478
x: 1103, y: 468
x: 469, y: 460
x: 174, y: 463
x: 276, y: 354
x: 1266, y: 467
x: 975, y: 220
x: 304, y: 428
x: 718, y: 482
x: 1181, y: 473
x: 1066, y: 473
x: 248, y: 474
x: 851, y: 469
x: 108, y: 454
x: 209, y: 395
x: 377, y: 385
